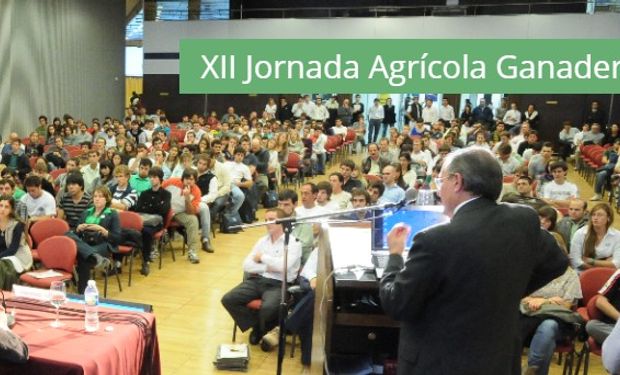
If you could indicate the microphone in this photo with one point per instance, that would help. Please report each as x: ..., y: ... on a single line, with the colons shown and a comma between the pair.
x: 399, y: 205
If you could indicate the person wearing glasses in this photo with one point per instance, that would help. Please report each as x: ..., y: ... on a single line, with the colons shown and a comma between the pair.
x: 462, y: 280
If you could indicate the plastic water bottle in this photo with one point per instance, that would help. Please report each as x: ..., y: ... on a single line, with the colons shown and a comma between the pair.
x: 91, y: 299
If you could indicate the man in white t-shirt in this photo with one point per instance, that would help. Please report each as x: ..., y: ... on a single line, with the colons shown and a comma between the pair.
x: 339, y: 129
x: 559, y: 192
x: 38, y: 203
x: 323, y: 197
x: 309, y: 192
x: 240, y: 176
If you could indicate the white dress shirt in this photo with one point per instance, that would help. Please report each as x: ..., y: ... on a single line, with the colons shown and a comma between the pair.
x: 608, y: 247
x: 430, y: 114
x: 271, y: 262
x: 446, y: 113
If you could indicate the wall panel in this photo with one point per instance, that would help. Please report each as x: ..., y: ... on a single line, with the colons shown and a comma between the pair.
x: 60, y: 56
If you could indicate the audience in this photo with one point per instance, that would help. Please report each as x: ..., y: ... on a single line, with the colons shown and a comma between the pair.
x: 225, y: 166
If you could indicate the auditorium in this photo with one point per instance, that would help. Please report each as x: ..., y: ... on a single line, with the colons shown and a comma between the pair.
x: 350, y: 187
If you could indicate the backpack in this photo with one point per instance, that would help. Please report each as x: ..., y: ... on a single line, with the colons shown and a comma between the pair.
x: 228, y: 220
x: 270, y: 199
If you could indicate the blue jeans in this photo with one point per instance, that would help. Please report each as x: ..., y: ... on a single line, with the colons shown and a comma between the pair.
x: 543, y: 345
x: 601, y: 180
x: 319, y: 167
x: 373, y: 132
x: 205, y: 220
x: 237, y: 198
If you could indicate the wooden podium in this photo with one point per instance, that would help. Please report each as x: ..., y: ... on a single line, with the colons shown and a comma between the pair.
x: 341, y: 246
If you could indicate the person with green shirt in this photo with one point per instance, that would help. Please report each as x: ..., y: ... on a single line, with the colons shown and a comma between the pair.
x: 42, y: 128
x: 287, y: 201
x: 8, y: 187
x: 141, y: 182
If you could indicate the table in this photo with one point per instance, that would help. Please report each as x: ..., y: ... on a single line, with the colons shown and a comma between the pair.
x: 126, y: 343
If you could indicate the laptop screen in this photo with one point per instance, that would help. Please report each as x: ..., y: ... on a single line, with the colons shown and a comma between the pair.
x: 417, y: 217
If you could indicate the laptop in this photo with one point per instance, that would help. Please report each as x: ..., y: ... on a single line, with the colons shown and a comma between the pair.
x: 417, y: 217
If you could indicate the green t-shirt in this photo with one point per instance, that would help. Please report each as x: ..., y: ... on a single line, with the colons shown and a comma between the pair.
x: 140, y: 184
x: 92, y: 219
x: 18, y: 194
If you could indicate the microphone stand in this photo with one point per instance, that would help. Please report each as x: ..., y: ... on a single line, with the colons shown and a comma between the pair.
x: 287, y: 226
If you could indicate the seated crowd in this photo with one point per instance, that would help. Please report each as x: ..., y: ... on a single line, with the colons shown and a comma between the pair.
x: 198, y: 170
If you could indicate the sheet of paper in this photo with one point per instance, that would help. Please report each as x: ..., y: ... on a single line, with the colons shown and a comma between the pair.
x: 44, y: 274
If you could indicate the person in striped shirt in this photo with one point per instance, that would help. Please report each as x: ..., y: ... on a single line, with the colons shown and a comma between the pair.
x: 124, y: 197
x: 74, y: 201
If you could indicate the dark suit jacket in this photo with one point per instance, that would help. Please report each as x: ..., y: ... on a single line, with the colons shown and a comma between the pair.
x: 458, y: 295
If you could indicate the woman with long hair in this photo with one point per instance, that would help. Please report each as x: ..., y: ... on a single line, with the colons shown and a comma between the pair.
x: 270, y: 109
x: 98, y: 234
x: 117, y: 159
x: 203, y: 146
x: 467, y: 115
x: 106, y: 174
x: 50, y: 138
x: 173, y: 158
x: 281, y: 146
x: 294, y: 143
x: 274, y: 171
x: 67, y: 135
x: 407, y: 173
x: 399, y: 175
x: 548, y: 219
x: 597, y: 244
x: 129, y: 151
x: 15, y: 256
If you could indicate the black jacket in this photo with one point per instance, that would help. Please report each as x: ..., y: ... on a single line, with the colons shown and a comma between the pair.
x: 284, y: 112
x: 153, y: 202
x: 366, y: 164
x: 389, y: 116
x: 457, y: 296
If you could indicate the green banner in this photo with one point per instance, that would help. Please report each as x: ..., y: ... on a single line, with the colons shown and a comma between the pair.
x: 222, y: 66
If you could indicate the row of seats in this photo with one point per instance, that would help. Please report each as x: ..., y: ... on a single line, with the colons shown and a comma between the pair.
x: 52, y: 250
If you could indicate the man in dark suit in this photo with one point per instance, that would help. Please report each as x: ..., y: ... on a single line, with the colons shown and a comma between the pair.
x: 458, y: 293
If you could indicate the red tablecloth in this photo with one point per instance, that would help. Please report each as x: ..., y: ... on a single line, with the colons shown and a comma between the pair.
x: 120, y: 347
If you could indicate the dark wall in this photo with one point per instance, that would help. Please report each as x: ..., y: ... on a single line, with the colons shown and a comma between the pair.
x: 162, y: 91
